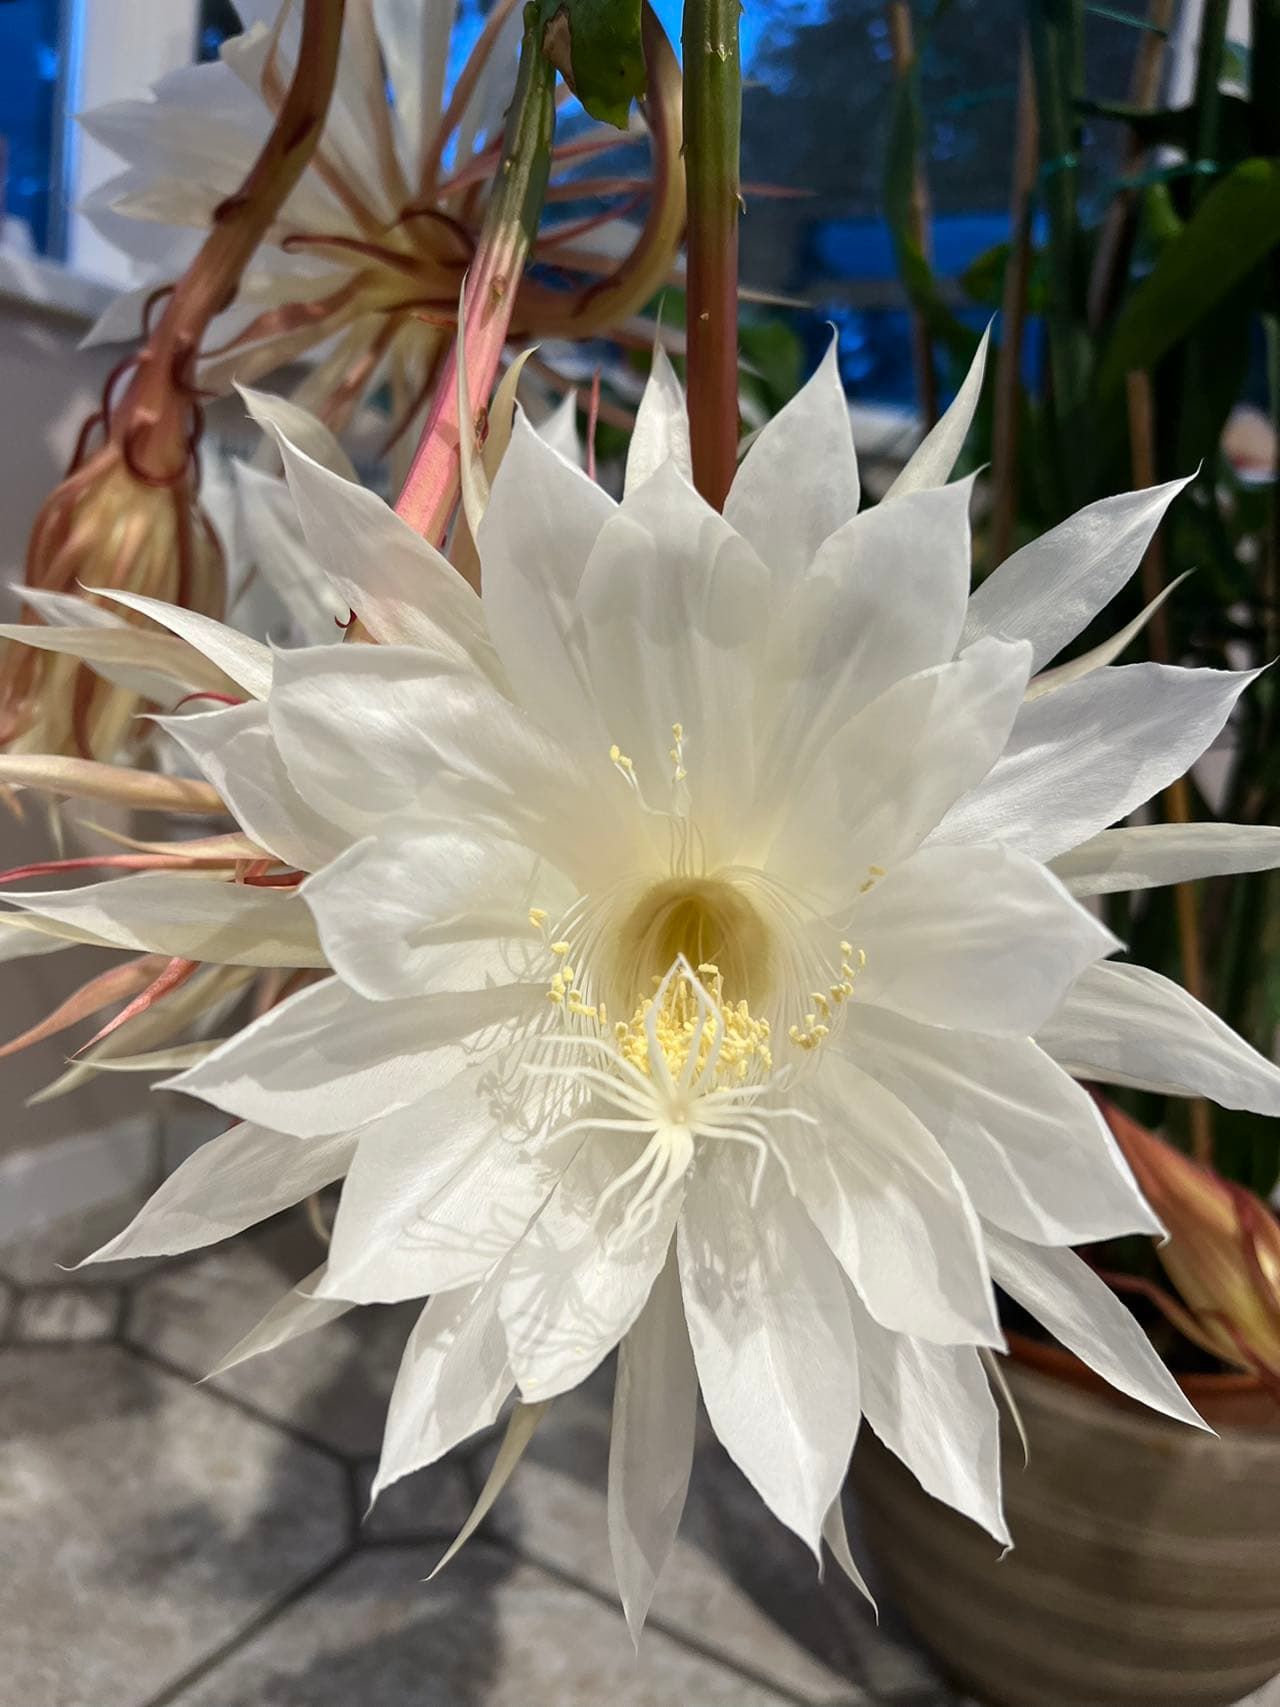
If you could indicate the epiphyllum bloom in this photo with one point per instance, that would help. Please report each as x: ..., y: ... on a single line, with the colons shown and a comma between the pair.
x: 369, y: 252
x: 702, y: 984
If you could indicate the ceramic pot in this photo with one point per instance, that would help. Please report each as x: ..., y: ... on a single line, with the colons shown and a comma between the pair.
x: 1146, y: 1564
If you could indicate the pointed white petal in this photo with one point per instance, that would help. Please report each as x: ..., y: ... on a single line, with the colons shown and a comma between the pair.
x: 932, y: 1407
x: 542, y: 520
x: 402, y: 589
x: 437, y: 1194
x: 1088, y: 754
x: 662, y: 427
x: 931, y: 463
x: 772, y: 1340
x: 674, y: 609
x: 1049, y: 681
x: 156, y: 666
x: 1127, y: 1025
x: 414, y: 35
x: 1152, y: 854
x: 521, y: 1425
x: 325, y: 1060
x: 1034, y: 1153
x: 798, y: 482
x: 837, y: 1539
x: 452, y: 1382
x: 1052, y: 589
x: 246, y: 661
x: 1062, y: 1292
x: 197, y: 917
x: 234, y: 749
x: 655, y: 1414
x: 882, y: 784
x: 288, y: 420
x: 883, y: 599
x: 578, y: 1279
x: 894, y: 1212
x: 275, y: 543
x: 298, y: 1312
x: 979, y: 938
x: 416, y: 910
x: 235, y: 1180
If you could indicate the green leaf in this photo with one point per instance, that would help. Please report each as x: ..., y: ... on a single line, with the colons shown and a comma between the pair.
x: 1234, y: 228
x: 596, y: 47
x: 1176, y: 127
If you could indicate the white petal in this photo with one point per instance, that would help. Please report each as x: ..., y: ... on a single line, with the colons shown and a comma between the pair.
x: 541, y: 522
x: 415, y: 910
x: 577, y: 1281
x: 298, y: 1312
x: 894, y: 1212
x: 1088, y: 754
x: 234, y: 749
x: 1052, y: 589
x: 157, y: 666
x: 199, y: 918
x: 932, y: 1407
x: 401, y: 588
x: 1107, y: 651
x: 1127, y: 1025
x: 446, y: 745
x: 325, y: 1060
x: 655, y: 1415
x: 837, y: 1539
x: 772, y: 1340
x: 674, y: 608
x: 288, y: 420
x: 1034, y: 1153
x: 1152, y: 854
x: 246, y: 661
x: 798, y: 482
x: 879, y: 787
x: 452, y: 1382
x: 235, y: 1180
x: 437, y: 1194
x: 277, y: 547
x: 415, y: 44
x: 661, y: 431
x: 931, y: 463
x: 884, y: 598
x: 1062, y: 1292
x: 980, y: 938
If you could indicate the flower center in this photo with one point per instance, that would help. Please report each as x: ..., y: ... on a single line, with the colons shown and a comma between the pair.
x: 675, y: 1027
x: 707, y: 921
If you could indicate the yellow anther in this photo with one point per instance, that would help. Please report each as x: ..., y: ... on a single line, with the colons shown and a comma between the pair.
x: 620, y: 759
x: 537, y: 917
x: 559, y: 948
x: 820, y: 1001
x: 677, y: 729
x: 739, y: 1042
x: 846, y: 948
x: 876, y: 870
x: 708, y: 970
x: 556, y: 996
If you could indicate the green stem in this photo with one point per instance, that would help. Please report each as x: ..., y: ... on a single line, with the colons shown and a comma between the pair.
x: 510, y: 226
x: 712, y: 131
x: 1055, y: 32
x: 1207, y: 98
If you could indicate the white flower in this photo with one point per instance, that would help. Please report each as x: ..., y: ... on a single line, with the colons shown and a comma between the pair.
x: 368, y: 254
x: 703, y: 983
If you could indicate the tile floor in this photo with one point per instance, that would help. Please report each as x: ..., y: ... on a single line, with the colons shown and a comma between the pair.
x: 165, y: 1542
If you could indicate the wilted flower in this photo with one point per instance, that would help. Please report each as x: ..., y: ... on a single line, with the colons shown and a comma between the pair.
x: 701, y: 982
x: 1222, y: 1253
x: 369, y: 252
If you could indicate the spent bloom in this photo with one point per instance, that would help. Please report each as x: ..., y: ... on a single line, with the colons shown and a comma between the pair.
x: 365, y: 260
x: 696, y: 957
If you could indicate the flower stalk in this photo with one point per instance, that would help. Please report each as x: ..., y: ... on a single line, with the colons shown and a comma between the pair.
x: 712, y: 130
x: 431, y: 490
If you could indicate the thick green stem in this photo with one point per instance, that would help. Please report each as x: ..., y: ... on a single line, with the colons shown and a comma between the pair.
x: 1208, y: 96
x: 712, y: 132
x: 1055, y: 32
x: 510, y: 226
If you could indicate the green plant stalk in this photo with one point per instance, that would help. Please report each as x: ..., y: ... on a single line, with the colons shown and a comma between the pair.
x: 1207, y: 97
x: 712, y: 133
x: 510, y: 224
x: 1055, y: 31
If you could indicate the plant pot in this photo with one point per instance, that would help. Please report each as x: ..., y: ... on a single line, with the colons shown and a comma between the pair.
x: 1144, y: 1570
